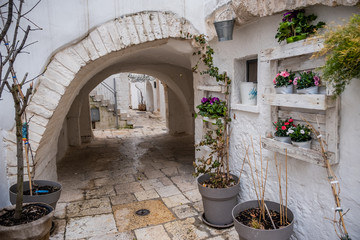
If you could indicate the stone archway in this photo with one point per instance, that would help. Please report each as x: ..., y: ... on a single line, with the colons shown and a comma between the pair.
x: 69, y: 70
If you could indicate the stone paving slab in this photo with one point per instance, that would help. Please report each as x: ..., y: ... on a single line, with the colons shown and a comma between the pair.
x: 122, y: 199
x: 146, y: 195
x: 184, y: 211
x: 115, y: 236
x: 128, y: 188
x: 186, y: 229
x: 88, y: 207
x: 168, y: 191
x: 127, y: 220
x: 152, y: 233
x: 175, y: 200
x: 84, y: 227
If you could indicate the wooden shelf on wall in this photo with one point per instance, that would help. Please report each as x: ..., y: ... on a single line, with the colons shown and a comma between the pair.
x: 310, y: 101
x: 245, y: 108
x: 212, y: 88
x: 295, y: 49
x: 306, y: 155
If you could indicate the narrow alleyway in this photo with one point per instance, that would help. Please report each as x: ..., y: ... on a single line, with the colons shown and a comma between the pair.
x: 122, y: 171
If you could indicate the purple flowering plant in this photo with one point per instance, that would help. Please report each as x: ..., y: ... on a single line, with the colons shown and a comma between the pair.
x: 307, y: 79
x: 212, y: 107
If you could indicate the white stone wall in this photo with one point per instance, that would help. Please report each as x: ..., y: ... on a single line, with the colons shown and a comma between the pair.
x: 310, y: 196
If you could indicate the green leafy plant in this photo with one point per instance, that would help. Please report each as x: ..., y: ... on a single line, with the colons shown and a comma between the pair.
x: 282, y: 127
x: 296, y: 26
x: 284, y: 79
x: 342, y: 51
x: 216, y: 163
x: 212, y: 107
x: 300, y: 133
x: 307, y: 79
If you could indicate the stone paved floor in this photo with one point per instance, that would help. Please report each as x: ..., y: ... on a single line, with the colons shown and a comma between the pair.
x: 122, y: 171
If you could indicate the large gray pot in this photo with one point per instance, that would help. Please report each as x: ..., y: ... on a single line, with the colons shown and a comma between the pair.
x: 36, y: 230
x: 50, y: 198
x: 249, y: 233
x: 218, y: 202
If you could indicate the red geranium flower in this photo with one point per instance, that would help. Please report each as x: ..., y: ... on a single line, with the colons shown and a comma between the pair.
x: 283, y: 128
x: 291, y: 120
x: 286, y: 123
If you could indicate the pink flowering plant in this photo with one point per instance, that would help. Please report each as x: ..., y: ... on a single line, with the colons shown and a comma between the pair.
x: 282, y: 127
x: 306, y: 79
x: 212, y: 107
x: 284, y: 79
x: 300, y: 133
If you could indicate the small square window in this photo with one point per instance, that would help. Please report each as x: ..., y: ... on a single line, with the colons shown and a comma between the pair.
x: 251, y: 70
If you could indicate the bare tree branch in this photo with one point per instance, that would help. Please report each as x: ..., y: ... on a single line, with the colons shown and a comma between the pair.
x: 8, y: 21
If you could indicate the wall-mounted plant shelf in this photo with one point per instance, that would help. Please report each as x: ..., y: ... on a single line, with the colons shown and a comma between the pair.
x: 212, y: 88
x: 307, y: 155
x: 310, y: 101
x: 295, y: 49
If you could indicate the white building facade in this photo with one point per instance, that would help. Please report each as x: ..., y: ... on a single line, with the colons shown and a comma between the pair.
x: 84, y: 42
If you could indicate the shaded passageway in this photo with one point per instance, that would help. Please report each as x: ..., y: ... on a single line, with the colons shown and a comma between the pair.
x: 105, y: 182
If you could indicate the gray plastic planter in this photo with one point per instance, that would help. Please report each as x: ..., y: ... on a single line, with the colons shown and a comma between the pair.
x: 36, y: 230
x: 50, y: 198
x: 248, y: 233
x: 218, y: 202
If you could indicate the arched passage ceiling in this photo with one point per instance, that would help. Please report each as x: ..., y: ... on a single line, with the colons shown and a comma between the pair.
x: 149, y: 42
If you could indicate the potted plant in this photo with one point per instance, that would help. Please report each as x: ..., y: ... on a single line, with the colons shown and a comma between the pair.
x: 308, y: 82
x: 282, y: 128
x: 342, y: 51
x: 32, y: 221
x: 211, y: 109
x: 300, y: 136
x: 283, y: 82
x: 217, y: 186
x: 261, y: 219
x: 297, y: 26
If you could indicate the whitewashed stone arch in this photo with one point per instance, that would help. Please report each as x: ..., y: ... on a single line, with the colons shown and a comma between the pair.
x: 64, y: 66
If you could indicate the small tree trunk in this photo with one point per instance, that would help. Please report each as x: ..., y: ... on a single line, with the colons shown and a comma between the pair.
x: 20, y: 159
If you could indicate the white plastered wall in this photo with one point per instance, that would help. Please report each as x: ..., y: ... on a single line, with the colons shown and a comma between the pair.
x: 309, y: 193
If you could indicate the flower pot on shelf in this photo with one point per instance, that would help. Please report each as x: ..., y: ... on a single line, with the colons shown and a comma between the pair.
x: 218, y: 203
x: 306, y: 144
x: 50, y: 198
x: 248, y: 233
x: 248, y: 92
x: 38, y: 229
x: 224, y: 29
x: 309, y: 90
x: 284, y: 89
x: 283, y: 139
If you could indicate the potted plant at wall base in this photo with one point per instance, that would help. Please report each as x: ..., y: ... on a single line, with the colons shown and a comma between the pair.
x: 218, y: 187
x: 283, y: 82
x: 31, y: 221
x: 296, y: 26
x: 262, y: 219
x: 282, y: 130
x: 308, y: 83
x: 300, y: 136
